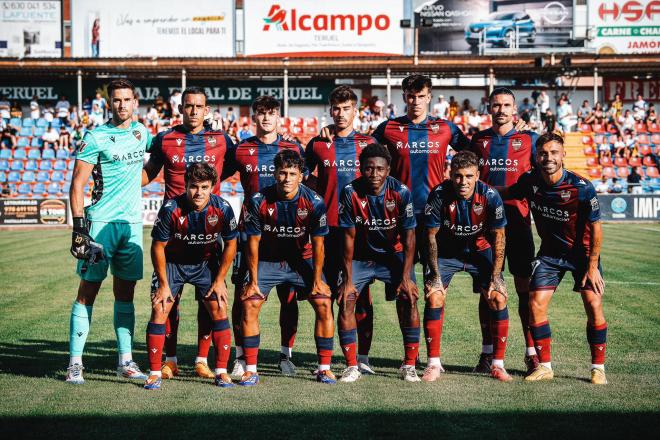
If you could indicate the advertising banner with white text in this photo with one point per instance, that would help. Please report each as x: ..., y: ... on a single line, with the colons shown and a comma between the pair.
x: 625, y: 26
x: 30, y: 29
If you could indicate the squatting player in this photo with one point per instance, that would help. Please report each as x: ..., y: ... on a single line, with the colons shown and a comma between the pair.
x: 172, y: 151
x: 377, y: 216
x: 254, y: 160
x: 286, y: 224
x: 185, y: 249
x: 337, y: 162
x: 112, y: 154
x: 462, y: 215
x: 567, y: 217
x: 505, y: 153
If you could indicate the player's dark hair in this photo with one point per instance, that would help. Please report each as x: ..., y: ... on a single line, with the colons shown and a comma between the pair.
x: 193, y: 91
x: 464, y: 159
x: 117, y: 84
x: 200, y: 172
x: 501, y: 91
x: 374, y: 150
x: 289, y: 159
x: 416, y: 83
x: 265, y: 103
x: 342, y: 94
x: 549, y: 137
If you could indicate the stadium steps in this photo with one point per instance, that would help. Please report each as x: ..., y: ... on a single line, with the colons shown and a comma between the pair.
x: 575, y: 158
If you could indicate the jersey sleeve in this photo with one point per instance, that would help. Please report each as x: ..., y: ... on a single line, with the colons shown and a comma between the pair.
x: 379, y: 133
x: 496, y: 217
x: 162, y: 230
x: 156, y: 150
x: 407, y: 211
x: 433, y: 209
x: 310, y: 156
x: 231, y: 165
x: 149, y: 140
x: 230, y: 227
x: 319, y: 220
x: 589, y: 203
x: 519, y: 189
x: 251, y: 219
x: 346, y: 214
x: 301, y: 151
x: 89, y: 149
x: 458, y: 139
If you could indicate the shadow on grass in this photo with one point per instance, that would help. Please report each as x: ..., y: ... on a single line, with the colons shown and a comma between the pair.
x: 338, y: 424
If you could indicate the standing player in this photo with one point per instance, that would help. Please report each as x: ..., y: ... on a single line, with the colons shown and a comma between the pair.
x: 338, y: 165
x: 185, y: 249
x: 567, y: 217
x: 505, y: 154
x: 112, y: 154
x: 376, y: 214
x: 280, y: 221
x: 173, y: 151
x: 461, y: 214
x: 254, y: 160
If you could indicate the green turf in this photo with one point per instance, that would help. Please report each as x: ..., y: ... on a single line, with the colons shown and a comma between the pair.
x: 39, y: 285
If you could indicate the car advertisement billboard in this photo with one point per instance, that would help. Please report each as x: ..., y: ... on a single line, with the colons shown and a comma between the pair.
x: 461, y: 26
x: 30, y: 29
x: 625, y: 26
x: 127, y: 28
x: 311, y: 28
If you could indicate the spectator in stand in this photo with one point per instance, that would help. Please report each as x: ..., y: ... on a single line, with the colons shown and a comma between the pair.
x: 640, y: 107
x: 5, y: 108
x: 441, y: 108
x: 483, y: 106
x: 390, y: 112
x: 565, y: 114
x: 245, y: 132
x: 474, y: 121
x: 49, y: 112
x: 651, y: 116
x: 618, y: 145
x: 550, y: 121
x: 584, y: 111
x: 65, y: 138
x: 50, y: 138
x: 9, y: 137
x: 634, y: 181
x: 175, y: 102
x: 603, y: 185
x: 74, y: 117
x: 78, y: 134
x: 85, y: 120
x: 96, y: 117
x: 616, y: 107
x: 466, y: 108
x: 62, y: 110
x: 627, y: 121
x: 597, y: 116
x: 102, y: 104
x: 216, y: 122
x: 453, y: 109
x: 152, y: 118
x: 525, y: 107
x: 616, y: 187
x: 87, y: 105
x: 604, y: 149
x: 35, y: 110
x: 543, y: 102
x: 230, y: 118
x: 16, y: 110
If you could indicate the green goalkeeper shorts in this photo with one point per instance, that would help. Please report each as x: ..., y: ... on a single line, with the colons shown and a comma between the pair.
x: 122, y: 248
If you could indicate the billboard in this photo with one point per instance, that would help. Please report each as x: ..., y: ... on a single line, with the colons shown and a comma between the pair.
x: 311, y: 28
x: 460, y: 26
x: 626, y: 207
x: 30, y: 29
x: 620, y: 26
x: 46, y: 212
x: 629, y: 88
x: 127, y: 28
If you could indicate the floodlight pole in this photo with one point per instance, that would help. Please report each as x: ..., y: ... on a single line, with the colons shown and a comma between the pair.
x: 389, y: 86
x: 491, y: 80
x: 80, y: 97
x: 595, y: 85
x: 285, y: 98
x: 183, y: 79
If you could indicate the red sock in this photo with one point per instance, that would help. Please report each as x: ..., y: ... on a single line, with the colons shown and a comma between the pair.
x: 204, y: 329
x: 155, y: 341
x: 347, y: 343
x: 523, y: 312
x: 288, y: 315
x: 172, y: 329
x: 221, y: 342
x: 484, y: 322
x: 433, y: 320
x: 251, y: 349
x: 542, y: 338
x: 410, y: 344
x: 324, y: 349
x: 597, y: 337
x: 364, y: 316
x: 499, y: 326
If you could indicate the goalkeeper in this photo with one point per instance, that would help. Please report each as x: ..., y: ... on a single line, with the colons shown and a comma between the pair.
x: 111, y: 234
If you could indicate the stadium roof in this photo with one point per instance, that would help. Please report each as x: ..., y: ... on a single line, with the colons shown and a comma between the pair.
x: 243, y: 68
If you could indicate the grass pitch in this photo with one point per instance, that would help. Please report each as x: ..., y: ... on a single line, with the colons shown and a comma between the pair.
x: 39, y: 285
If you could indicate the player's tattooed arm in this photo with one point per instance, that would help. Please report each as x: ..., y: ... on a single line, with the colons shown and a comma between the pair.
x: 163, y: 295
x: 252, y: 259
x: 499, y: 244
x: 433, y: 282
x: 407, y: 286
x: 347, y: 288
x: 593, y: 275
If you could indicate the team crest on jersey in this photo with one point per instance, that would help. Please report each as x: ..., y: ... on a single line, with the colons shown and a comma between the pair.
x: 137, y: 135
x: 362, y: 144
x: 363, y: 203
x: 478, y: 208
x: 212, y: 141
x: 251, y: 150
x: 270, y: 211
x: 212, y: 219
x: 516, y: 144
x: 435, y: 128
x: 302, y: 213
x: 390, y: 205
x: 565, y: 195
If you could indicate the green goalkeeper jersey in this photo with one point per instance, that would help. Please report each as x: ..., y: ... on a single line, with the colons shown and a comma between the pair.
x: 117, y: 155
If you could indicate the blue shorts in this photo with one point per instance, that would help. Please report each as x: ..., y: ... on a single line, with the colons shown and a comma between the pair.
x: 297, y: 274
x: 478, y: 264
x: 547, y: 272
x: 519, y: 249
x: 389, y: 272
x: 199, y: 275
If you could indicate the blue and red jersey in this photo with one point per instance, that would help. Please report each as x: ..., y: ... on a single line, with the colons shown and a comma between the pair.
x: 503, y: 159
x: 419, y: 152
x: 285, y: 226
x: 463, y: 223
x: 563, y: 212
x: 379, y: 220
x: 175, y: 148
x: 193, y: 236
x: 338, y: 163
x: 254, y: 161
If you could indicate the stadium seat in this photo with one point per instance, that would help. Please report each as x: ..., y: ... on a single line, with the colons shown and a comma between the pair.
x: 14, y: 176
x: 28, y: 122
x: 635, y: 161
x: 598, y: 128
x: 640, y: 127
x: 608, y: 172
x: 4, y: 165
x: 606, y: 161
x: 17, y: 165
x: 62, y: 154
x: 39, y: 189
x: 41, y: 122
x: 66, y: 186
x: 587, y: 140
x: 648, y: 161
x: 594, y: 173
x: 620, y: 162
x: 53, y: 188
x: 34, y: 153
x: 48, y: 153
x: 39, y: 131
x: 238, y: 188
x: 585, y: 128
x: 622, y: 172
x: 589, y: 151
x: 31, y: 165
x: 37, y: 142
x: 46, y: 165
x: 226, y: 188
x: 25, y: 132
x: 652, y: 172
x: 71, y: 164
x: 5, y: 154
x: 645, y: 150
x: 643, y: 138
x: 592, y: 162
x: 24, y: 189
x: 23, y: 142
x: 59, y: 165
x: 57, y: 176
x: 20, y: 154
x: 56, y: 123
x: 15, y: 122
x: 43, y: 176
x: 28, y: 177
x: 3, y: 177
x: 655, y: 138
x: 599, y: 139
x: 653, y: 127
